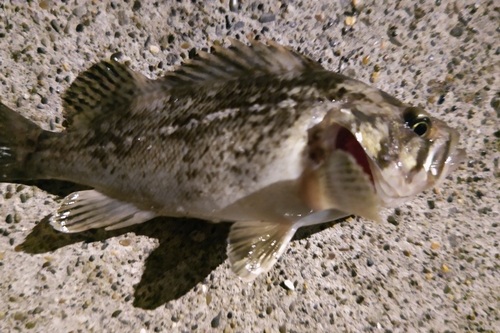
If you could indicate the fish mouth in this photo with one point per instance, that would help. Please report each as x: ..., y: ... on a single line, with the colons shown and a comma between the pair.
x: 346, y: 141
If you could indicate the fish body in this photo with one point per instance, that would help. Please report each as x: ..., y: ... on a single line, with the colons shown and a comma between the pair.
x: 258, y: 135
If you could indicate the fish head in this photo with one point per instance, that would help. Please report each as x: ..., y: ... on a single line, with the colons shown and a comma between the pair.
x: 402, y: 150
x: 415, y: 152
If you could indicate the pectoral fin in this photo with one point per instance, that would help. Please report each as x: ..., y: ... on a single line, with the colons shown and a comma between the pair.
x: 254, y: 247
x: 345, y: 186
x: 85, y: 210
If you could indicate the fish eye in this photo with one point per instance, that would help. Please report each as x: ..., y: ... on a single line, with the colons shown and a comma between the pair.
x: 421, y: 126
x: 419, y: 123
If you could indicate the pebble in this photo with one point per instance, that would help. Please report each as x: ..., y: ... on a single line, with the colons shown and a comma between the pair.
x: 116, y: 313
x: 457, y: 31
x: 350, y: 20
x: 234, y: 5
x: 54, y: 25
x: 154, y: 49
x: 266, y: 18
x: 124, y: 242
x: 392, y: 220
x: 30, y: 325
x: 434, y: 245
x: 495, y: 104
x: 80, y: 11
x: 239, y: 25
x: 288, y: 285
x: 216, y: 320
x: 137, y: 5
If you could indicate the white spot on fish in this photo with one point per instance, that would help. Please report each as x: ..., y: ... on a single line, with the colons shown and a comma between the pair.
x: 256, y: 107
x: 167, y: 130
x: 287, y: 103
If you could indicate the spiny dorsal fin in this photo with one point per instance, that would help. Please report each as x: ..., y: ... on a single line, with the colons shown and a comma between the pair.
x: 109, y: 85
x: 240, y: 60
x: 106, y: 86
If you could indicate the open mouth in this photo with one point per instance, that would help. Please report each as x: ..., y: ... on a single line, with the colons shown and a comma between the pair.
x: 347, y: 142
x: 324, y: 139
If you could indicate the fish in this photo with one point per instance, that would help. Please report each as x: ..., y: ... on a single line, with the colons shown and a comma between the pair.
x: 256, y: 134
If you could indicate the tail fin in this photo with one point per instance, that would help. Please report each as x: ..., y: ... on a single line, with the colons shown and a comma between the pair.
x: 18, y: 139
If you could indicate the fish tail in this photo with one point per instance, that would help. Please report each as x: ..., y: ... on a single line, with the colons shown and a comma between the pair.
x: 18, y: 141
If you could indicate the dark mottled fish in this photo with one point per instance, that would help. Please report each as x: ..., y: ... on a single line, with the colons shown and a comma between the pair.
x: 259, y: 135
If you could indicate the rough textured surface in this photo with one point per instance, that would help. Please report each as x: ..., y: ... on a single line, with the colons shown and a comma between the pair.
x: 433, y: 265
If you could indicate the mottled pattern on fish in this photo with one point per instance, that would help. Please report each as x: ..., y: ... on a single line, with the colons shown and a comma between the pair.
x: 260, y: 135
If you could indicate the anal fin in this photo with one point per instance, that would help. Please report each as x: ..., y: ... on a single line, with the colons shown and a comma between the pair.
x: 90, y: 209
x: 254, y: 246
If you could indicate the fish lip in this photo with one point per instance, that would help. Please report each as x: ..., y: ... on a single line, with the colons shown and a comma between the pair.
x: 455, y: 155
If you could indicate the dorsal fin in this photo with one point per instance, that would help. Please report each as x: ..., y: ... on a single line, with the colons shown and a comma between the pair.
x: 106, y: 86
x: 109, y: 85
x: 240, y: 60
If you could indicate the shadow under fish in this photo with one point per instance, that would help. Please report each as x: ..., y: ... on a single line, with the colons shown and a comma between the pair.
x: 189, y: 251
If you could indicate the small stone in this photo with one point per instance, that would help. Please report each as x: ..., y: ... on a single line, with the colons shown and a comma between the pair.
x: 30, y: 325
x: 369, y: 262
x: 287, y: 284
x: 54, y: 25
x: 445, y: 268
x: 447, y: 289
x: 434, y: 245
x: 239, y: 25
x: 495, y: 104
x: 116, y: 313
x: 350, y: 20
x: 19, y: 316
x: 392, y: 220
x: 234, y: 5
x: 360, y: 299
x: 124, y: 242
x: 154, y: 49
x: 80, y: 11
x: 266, y: 18
x: 137, y: 6
x: 457, y: 31
x: 216, y: 320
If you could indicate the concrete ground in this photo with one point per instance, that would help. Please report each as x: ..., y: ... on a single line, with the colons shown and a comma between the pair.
x: 433, y: 265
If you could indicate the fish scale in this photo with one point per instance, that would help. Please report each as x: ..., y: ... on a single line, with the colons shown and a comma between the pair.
x: 257, y: 135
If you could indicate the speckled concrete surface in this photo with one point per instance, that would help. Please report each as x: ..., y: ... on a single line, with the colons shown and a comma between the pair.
x: 433, y: 265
